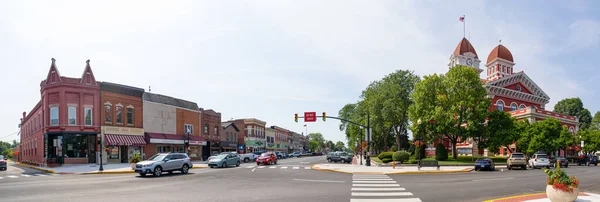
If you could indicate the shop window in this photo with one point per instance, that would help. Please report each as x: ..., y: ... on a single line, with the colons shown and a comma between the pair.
x: 119, y: 112
x: 113, y: 152
x: 76, y: 146
x: 72, y: 116
x: 108, y: 113
x: 179, y: 148
x: 130, y: 116
x: 54, y: 116
x: 88, y: 116
x: 163, y: 149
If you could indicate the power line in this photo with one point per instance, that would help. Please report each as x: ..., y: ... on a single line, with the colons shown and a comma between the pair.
x: 9, y: 135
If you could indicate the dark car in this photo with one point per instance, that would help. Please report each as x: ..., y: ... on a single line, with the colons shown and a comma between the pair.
x: 593, y: 160
x: 587, y: 160
x: 563, y: 162
x: 3, y: 163
x: 484, y: 164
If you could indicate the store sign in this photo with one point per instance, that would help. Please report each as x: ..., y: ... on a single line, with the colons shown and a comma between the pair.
x: 241, y: 147
x: 165, y: 141
x: 196, y: 142
x: 232, y: 145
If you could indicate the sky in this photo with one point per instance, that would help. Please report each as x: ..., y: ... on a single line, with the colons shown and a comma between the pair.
x: 272, y: 59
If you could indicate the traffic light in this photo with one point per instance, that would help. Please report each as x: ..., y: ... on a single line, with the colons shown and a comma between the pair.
x: 324, y: 116
x: 296, y: 118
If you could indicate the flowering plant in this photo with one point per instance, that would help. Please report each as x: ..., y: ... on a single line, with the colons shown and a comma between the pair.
x: 560, y: 180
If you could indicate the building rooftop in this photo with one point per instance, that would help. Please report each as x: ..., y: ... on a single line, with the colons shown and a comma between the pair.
x: 163, y: 99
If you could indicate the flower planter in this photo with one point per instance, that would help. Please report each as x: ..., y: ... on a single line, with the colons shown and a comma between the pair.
x: 556, y: 195
x: 132, y: 166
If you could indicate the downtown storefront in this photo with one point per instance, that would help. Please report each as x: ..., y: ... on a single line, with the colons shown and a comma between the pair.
x: 164, y: 143
x: 70, y: 147
x: 122, y: 143
x: 228, y: 146
x: 255, y: 145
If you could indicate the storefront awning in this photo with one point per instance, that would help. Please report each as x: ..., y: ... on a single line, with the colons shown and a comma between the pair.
x: 124, y: 140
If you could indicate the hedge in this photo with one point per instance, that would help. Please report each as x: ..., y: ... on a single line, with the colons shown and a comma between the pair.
x: 386, y: 160
x: 385, y: 155
x: 401, y: 156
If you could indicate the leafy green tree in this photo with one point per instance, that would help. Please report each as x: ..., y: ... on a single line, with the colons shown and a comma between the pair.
x: 441, y: 154
x: 339, y: 146
x: 500, y: 131
x: 591, y: 139
x: 329, y: 144
x: 523, y: 138
x: 574, y: 107
x: 313, y: 145
x: 318, y: 137
x: 426, y: 97
x: 543, y: 135
x: 458, y: 104
x: 596, y: 121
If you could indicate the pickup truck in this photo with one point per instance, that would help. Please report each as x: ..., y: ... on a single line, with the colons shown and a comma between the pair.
x: 247, y: 157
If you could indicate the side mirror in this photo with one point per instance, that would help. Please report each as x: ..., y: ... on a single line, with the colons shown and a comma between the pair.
x: 166, y: 160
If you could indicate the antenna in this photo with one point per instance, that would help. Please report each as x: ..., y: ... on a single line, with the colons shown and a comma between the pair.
x: 149, y: 89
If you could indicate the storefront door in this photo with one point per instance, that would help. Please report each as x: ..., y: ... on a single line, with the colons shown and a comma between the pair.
x: 123, y: 151
x: 92, y: 149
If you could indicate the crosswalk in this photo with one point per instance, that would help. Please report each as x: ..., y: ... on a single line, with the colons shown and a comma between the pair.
x: 378, y: 187
x: 7, y: 177
x: 286, y: 167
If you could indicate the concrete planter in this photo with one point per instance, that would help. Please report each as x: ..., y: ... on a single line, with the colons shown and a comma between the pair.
x: 132, y: 166
x: 556, y: 195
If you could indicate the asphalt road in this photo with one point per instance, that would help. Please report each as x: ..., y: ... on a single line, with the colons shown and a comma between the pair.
x: 291, y: 180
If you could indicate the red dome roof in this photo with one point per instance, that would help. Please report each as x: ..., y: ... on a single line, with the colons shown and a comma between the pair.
x: 500, y: 52
x: 463, y: 47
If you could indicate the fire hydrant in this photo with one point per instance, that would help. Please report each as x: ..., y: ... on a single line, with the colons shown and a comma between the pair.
x: 393, y: 165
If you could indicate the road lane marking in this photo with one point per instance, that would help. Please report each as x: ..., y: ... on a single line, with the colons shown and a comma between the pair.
x: 381, y: 194
x: 55, y: 174
x: 374, y: 182
x: 491, y: 179
x: 306, y: 168
x: 253, y: 169
x: 378, y: 189
x: 387, y: 200
x: 26, y: 175
x: 1, y: 178
x: 12, y: 176
x: 307, y: 180
x: 372, y: 179
x: 273, y: 167
x: 261, y: 166
x: 285, y: 167
x: 250, y: 166
x: 296, y: 168
x: 375, y: 185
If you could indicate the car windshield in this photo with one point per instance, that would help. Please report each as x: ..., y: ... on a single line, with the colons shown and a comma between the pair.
x: 560, y: 158
x: 485, y: 159
x: 542, y: 156
x: 265, y: 154
x: 1, y: 157
x: 518, y: 155
x: 158, y: 157
x: 221, y: 156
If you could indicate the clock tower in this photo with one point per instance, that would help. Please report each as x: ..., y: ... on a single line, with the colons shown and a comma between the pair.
x: 465, y: 54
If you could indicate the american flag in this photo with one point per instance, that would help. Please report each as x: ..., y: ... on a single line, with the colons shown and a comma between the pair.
x: 461, y: 18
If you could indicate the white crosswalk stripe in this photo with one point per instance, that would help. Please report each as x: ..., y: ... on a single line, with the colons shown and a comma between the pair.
x: 296, y: 167
x: 12, y: 176
x: 26, y: 175
x: 284, y: 167
x: 306, y: 168
x: 250, y: 166
x: 1, y: 178
x: 367, y: 188
x: 273, y: 167
x: 261, y: 166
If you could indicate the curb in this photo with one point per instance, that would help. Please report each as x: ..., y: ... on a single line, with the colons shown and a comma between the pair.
x: 36, y: 168
x: 466, y: 170
x: 526, y: 195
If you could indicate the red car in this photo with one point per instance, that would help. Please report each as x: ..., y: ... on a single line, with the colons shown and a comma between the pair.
x: 267, y: 158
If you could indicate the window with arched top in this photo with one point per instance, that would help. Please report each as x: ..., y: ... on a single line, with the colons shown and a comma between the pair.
x: 518, y: 88
x: 571, y: 129
x: 513, y: 106
x: 500, y: 105
x: 522, y: 106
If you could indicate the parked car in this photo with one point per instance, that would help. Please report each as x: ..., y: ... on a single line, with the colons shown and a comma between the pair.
x: 539, y: 160
x: 3, y: 163
x: 593, y: 160
x: 267, y: 158
x: 279, y: 155
x: 164, y: 162
x: 516, y: 160
x: 485, y: 163
x: 285, y: 155
x: 224, y: 160
x: 248, y: 157
x: 563, y: 162
x: 295, y: 154
x: 587, y: 160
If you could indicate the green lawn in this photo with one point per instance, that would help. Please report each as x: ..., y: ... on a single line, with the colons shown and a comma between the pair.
x: 377, y: 160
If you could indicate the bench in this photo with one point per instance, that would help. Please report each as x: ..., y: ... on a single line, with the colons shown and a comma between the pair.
x: 428, y: 163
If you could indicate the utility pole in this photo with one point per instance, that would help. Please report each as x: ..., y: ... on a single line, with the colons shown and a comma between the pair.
x: 368, y: 139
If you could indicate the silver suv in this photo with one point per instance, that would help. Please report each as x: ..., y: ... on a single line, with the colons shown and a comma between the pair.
x: 164, y: 162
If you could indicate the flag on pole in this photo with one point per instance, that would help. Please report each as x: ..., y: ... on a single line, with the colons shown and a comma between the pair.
x: 462, y: 18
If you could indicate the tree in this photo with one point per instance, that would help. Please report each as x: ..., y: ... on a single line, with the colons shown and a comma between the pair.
x: 339, y: 146
x: 566, y: 139
x: 596, y: 121
x: 441, y: 154
x: 500, y: 131
x: 458, y: 104
x: 591, y: 140
x: 574, y: 107
x: 314, y: 145
x: 542, y: 136
x: 329, y: 144
x: 318, y: 137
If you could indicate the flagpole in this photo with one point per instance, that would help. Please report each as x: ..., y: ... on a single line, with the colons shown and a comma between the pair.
x: 464, y: 24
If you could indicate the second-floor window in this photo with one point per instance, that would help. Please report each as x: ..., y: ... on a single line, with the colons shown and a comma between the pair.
x: 108, y: 113
x: 206, y: 129
x: 188, y: 129
x: 88, y: 116
x: 54, y: 116
x: 72, y: 116
x: 119, y: 112
x: 216, y: 131
x: 129, y: 116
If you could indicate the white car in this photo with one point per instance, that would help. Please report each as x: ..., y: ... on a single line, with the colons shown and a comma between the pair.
x: 539, y: 161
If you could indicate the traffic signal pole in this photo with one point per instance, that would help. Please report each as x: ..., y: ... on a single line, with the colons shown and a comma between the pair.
x: 368, y: 127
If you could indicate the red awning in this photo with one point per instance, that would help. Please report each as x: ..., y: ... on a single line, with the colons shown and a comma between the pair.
x: 125, y: 140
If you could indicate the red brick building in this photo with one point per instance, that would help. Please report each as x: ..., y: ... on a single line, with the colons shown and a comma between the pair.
x: 229, y: 140
x: 254, y: 136
x: 63, y: 127
x: 509, y: 91
x: 211, y: 131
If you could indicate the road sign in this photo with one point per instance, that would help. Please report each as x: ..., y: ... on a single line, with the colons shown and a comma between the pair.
x: 310, y: 116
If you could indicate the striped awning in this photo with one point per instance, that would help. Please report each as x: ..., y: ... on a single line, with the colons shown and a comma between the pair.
x: 125, y: 140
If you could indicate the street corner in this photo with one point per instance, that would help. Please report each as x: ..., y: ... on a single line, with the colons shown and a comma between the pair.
x: 466, y: 170
x: 34, y: 167
x: 321, y: 167
x: 200, y: 166
x: 583, y: 196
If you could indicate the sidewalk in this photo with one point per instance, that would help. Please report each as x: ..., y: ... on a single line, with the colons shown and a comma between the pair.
x: 541, y: 197
x: 355, y: 168
x: 118, y: 168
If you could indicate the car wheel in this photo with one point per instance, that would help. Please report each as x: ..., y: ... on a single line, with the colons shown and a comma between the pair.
x: 329, y: 160
x: 246, y: 160
x: 143, y: 174
x: 275, y: 161
x: 566, y: 166
x: 508, y: 167
x: 157, y: 171
x: 547, y: 167
x: 185, y: 169
x: 476, y: 169
x: 237, y: 164
x: 224, y: 165
x: 523, y: 167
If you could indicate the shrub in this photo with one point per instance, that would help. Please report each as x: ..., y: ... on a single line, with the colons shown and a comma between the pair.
x: 401, y: 156
x: 135, y: 159
x: 394, y: 149
x: 413, y: 161
x: 386, y: 160
x: 385, y: 155
x: 441, y: 154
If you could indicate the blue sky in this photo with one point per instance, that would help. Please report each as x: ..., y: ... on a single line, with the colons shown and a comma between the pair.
x: 271, y: 59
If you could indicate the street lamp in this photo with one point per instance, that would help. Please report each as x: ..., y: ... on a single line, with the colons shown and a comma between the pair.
x: 418, y: 140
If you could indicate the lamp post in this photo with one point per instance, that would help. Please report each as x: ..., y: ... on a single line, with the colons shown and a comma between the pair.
x: 418, y: 140
x: 101, y: 169
x: 361, y: 150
